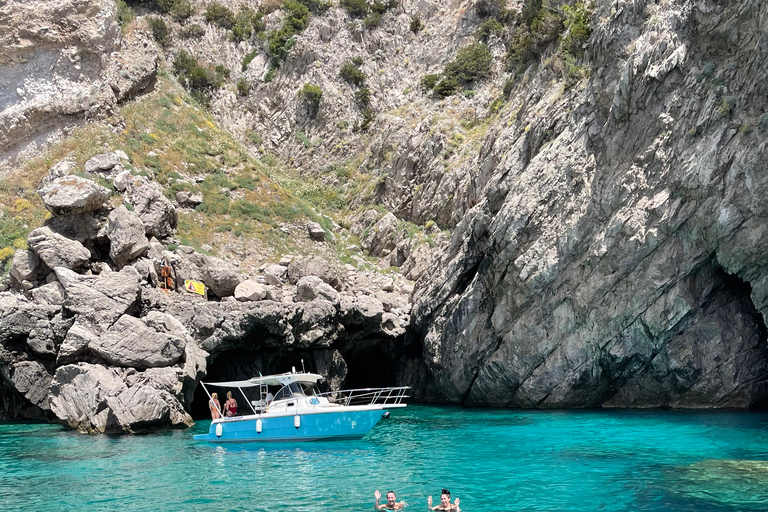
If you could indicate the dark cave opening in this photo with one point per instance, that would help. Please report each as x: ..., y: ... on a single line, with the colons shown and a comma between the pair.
x: 369, y: 365
x: 734, y: 286
x: 373, y: 367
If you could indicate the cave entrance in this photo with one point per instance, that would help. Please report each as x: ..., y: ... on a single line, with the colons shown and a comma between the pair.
x: 372, y: 367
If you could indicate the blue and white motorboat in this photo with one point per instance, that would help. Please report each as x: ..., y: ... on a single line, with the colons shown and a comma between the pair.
x: 298, y: 412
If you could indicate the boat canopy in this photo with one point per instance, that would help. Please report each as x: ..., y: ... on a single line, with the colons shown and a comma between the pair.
x: 282, y: 379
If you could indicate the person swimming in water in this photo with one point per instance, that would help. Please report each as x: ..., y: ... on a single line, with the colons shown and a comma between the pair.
x: 390, y: 504
x: 445, y: 502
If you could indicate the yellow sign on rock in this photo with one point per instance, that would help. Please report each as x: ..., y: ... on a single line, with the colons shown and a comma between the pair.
x: 194, y: 287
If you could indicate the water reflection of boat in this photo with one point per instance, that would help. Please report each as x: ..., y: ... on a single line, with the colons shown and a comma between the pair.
x: 298, y: 412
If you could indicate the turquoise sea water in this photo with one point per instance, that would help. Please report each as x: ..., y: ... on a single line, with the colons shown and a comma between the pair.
x: 490, y: 459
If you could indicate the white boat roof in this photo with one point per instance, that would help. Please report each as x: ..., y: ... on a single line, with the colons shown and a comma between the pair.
x: 281, y: 379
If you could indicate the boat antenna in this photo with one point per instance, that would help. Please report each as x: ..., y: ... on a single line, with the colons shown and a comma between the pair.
x: 302, y: 366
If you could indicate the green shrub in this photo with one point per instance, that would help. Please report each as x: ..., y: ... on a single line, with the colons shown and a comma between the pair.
x: 243, y: 87
x: 270, y: 74
x: 124, y: 14
x: 193, y: 31
x: 577, y: 29
x: 311, y: 94
x: 471, y: 63
x: 200, y: 80
x: 249, y: 57
x: 381, y: 7
x: 351, y: 74
x: 160, y: 31
x: 357, y: 61
x: 182, y: 10
x: 508, y: 85
x: 219, y: 15
x: 762, y: 122
x: 487, y: 8
x: 491, y: 26
x: 363, y: 96
x: 530, y: 11
x: 373, y: 20
x: 368, y: 117
x: 165, y: 6
x: 416, y: 23
x: 247, y: 23
x: 355, y: 8
x: 446, y: 87
x: 727, y: 105
x: 428, y: 82
x: 254, y: 137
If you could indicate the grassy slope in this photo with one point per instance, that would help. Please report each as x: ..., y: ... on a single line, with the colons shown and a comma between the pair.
x: 169, y: 137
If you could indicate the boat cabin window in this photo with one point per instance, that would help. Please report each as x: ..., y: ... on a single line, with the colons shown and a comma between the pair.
x: 295, y: 390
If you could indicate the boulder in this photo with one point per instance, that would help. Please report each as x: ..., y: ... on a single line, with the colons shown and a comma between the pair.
x: 73, y: 195
x: 121, y: 180
x: 130, y: 342
x: 51, y: 294
x: 316, y: 231
x: 360, y: 310
x: 381, y: 238
x: 250, y: 290
x: 220, y: 277
x: 25, y: 265
x: 153, y: 208
x: 88, y: 229
x: 363, y: 222
x: 60, y: 169
x: 102, y: 163
x: 188, y: 199
x: 313, y: 266
x: 417, y: 262
x: 94, y: 399
x: 311, y: 287
x: 56, y: 250
x: 99, y: 300
x: 275, y: 274
x: 126, y: 236
x: 31, y: 380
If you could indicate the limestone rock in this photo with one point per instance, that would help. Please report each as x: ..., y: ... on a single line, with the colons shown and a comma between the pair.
x: 188, y: 199
x: 311, y: 287
x: 94, y: 399
x: 316, y: 231
x: 25, y: 265
x: 121, y: 181
x: 31, y: 379
x: 56, y: 250
x: 313, y: 266
x: 99, y: 300
x: 381, y: 237
x: 153, y: 208
x: 126, y: 235
x: 73, y: 195
x: 275, y: 274
x: 51, y: 294
x: 250, y: 290
x: 103, y: 163
x: 130, y: 342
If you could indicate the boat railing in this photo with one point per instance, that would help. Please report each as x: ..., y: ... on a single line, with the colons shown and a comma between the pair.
x: 367, y: 396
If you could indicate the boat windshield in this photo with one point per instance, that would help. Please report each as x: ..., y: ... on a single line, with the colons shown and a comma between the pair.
x: 296, y: 390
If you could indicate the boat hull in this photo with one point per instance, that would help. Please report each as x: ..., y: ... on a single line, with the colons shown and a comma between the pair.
x: 312, y: 427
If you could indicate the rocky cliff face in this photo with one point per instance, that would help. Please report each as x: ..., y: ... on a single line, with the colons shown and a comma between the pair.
x: 607, y: 245
x: 616, y: 255
x: 62, y: 63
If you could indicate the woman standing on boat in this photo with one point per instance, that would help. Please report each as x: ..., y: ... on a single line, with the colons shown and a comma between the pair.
x: 230, y: 406
x: 214, y: 406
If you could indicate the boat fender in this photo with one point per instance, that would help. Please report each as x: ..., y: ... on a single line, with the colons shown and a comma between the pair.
x: 297, y: 421
x: 385, y: 415
x: 258, y: 426
x: 219, y: 430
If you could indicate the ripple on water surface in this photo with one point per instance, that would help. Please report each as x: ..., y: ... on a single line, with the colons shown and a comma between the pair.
x: 491, y: 459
